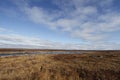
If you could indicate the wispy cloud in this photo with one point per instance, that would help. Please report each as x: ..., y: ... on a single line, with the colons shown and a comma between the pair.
x: 85, y: 19
x: 12, y: 40
x: 89, y: 20
x: 17, y: 41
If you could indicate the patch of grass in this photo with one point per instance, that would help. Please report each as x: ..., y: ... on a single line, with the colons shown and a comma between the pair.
x: 89, y: 66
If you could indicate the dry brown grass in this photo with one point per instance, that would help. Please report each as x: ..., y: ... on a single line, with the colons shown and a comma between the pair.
x: 90, y: 66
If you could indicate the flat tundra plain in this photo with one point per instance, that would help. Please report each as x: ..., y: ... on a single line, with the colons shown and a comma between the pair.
x: 83, y: 65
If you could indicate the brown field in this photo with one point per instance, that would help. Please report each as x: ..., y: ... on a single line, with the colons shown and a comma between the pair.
x: 98, y: 65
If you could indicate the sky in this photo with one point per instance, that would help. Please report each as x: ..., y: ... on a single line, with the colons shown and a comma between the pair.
x: 60, y: 24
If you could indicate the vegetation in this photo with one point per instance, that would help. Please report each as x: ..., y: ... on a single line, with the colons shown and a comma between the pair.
x: 98, y: 65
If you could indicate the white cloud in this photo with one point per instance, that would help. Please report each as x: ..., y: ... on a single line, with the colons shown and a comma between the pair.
x: 84, y: 19
x: 39, y: 16
x: 11, y: 40
x: 19, y: 41
x: 79, y: 18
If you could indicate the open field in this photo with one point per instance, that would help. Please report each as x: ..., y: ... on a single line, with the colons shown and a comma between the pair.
x: 42, y: 51
x: 94, y: 65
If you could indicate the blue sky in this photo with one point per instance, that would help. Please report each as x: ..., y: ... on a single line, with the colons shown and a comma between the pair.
x: 61, y: 24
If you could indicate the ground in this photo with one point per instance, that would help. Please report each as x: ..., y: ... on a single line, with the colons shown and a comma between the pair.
x: 96, y: 65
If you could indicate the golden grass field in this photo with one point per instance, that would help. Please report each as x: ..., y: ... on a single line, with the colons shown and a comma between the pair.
x: 103, y: 65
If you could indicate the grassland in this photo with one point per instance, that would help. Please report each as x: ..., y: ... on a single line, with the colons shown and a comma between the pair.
x: 97, y: 65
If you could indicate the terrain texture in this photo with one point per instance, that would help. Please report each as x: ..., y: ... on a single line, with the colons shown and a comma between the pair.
x: 96, y: 65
